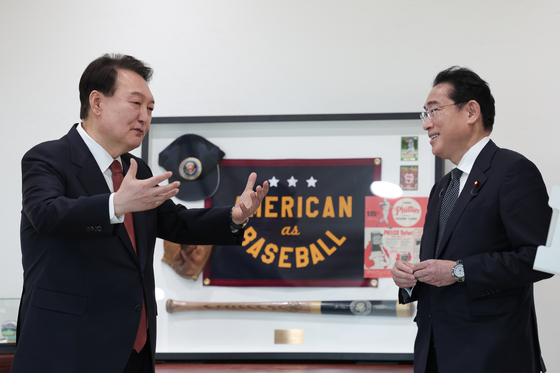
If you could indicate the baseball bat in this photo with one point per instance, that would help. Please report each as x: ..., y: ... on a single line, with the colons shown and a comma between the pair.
x: 356, y: 307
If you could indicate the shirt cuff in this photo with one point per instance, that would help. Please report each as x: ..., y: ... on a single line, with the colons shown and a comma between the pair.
x: 114, y: 219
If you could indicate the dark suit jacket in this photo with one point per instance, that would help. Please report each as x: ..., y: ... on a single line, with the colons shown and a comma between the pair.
x: 487, y: 323
x: 82, y: 279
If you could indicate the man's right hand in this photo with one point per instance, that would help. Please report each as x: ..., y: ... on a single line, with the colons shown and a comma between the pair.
x: 403, y: 275
x: 141, y: 195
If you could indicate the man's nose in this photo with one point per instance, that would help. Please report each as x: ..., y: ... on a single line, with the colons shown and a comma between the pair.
x: 145, y: 115
x: 427, y: 124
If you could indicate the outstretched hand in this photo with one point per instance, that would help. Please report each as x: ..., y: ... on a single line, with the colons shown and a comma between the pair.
x: 141, y: 195
x: 249, y: 201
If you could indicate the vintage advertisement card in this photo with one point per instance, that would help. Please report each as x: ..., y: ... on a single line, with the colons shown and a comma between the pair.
x: 393, y: 230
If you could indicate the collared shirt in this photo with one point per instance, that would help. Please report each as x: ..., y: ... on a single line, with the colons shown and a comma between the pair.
x: 466, y: 163
x: 104, y: 161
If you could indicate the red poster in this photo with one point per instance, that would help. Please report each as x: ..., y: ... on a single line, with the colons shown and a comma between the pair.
x: 392, y: 231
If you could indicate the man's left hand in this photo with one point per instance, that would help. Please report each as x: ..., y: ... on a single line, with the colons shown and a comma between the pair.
x: 249, y: 201
x: 435, y: 272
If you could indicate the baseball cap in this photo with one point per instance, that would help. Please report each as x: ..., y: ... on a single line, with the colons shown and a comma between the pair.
x: 194, y: 162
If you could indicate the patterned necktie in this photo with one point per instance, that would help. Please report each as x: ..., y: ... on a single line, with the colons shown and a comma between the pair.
x: 118, y: 177
x: 449, y: 199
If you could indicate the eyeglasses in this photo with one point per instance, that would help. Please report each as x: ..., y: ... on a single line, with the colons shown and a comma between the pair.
x: 431, y: 113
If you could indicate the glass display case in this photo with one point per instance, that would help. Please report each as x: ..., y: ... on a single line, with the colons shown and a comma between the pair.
x: 8, y: 320
x: 251, y: 336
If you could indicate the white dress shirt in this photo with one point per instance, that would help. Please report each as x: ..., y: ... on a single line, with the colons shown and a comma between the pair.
x: 467, y: 161
x: 104, y: 161
x: 465, y: 164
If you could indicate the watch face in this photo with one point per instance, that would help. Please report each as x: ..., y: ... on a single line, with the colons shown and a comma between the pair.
x: 459, y: 271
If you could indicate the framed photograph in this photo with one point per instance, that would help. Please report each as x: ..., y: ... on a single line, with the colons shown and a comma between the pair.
x: 409, y: 148
x: 409, y: 177
x: 213, y: 323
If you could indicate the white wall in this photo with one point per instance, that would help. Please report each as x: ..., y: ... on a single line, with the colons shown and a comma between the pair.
x: 220, y: 57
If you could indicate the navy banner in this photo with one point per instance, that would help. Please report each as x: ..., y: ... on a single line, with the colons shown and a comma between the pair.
x: 309, y: 230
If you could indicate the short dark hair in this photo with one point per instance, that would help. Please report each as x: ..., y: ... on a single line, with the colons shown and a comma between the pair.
x: 467, y: 85
x: 101, y: 75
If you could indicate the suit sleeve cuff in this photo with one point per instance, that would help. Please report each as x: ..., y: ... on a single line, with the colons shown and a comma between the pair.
x: 405, y: 295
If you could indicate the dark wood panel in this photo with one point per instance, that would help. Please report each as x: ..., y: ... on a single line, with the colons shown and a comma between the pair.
x: 6, y: 362
x: 283, y: 368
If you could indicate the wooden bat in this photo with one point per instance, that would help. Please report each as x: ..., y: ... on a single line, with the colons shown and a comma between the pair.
x: 356, y: 307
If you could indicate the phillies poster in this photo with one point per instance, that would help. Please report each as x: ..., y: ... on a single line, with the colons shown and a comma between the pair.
x: 309, y: 230
x: 393, y: 230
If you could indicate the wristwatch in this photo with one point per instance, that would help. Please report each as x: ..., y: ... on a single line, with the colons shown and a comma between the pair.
x: 458, y: 271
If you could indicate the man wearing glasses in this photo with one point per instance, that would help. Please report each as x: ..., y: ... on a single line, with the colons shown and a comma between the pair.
x: 485, y: 220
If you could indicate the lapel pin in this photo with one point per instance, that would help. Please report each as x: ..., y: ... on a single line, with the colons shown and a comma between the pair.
x: 476, y: 185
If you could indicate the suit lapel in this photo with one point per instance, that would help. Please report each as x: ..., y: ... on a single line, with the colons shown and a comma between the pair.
x: 469, y: 192
x: 92, y: 179
x: 88, y: 173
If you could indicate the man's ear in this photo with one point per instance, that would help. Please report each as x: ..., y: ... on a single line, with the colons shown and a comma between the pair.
x: 95, y: 98
x: 473, y: 111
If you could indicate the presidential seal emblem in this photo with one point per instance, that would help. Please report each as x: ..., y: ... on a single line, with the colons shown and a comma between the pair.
x: 360, y: 307
x: 190, y: 168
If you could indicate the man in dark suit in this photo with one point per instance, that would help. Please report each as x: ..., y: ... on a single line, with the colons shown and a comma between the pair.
x: 474, y: 284
x: 88, y: 234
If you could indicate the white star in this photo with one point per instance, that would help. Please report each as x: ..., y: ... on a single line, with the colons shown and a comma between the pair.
x: 311, y: 182
x: 273, y: 182
x: 292, y: 182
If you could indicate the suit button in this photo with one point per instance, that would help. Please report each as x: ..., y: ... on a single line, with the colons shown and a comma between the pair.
x: 138, y: 308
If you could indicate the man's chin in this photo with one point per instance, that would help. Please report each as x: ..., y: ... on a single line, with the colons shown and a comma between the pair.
x: 133, y: 145
x: 437, y: 151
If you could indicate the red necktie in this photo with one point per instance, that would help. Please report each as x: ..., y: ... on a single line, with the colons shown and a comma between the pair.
x: 117, y: 171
